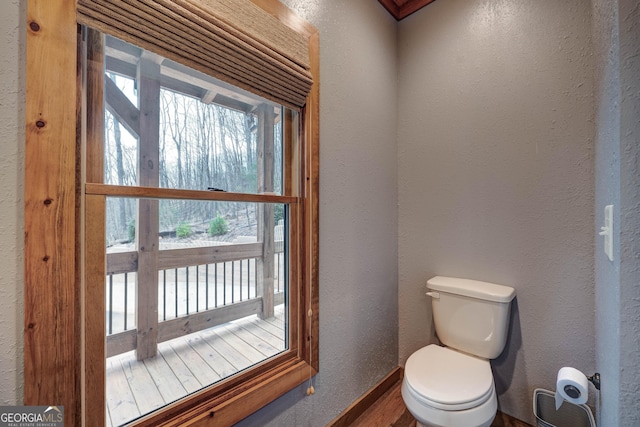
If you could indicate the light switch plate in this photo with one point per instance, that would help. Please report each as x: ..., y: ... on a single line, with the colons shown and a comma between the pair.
x: 607, y: 231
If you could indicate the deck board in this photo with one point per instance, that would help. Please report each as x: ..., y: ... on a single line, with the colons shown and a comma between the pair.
x: 235, y: 357
x: 239, y: 345
x: 181, y: 371
x: 194, y: 354
x: 273, y: 329
x: 253, y: 341
x: 187, y: 364
x: 145, y: 392
x: 212, y: 356
x: 268, y: 337
x: 164, y: 379
x: 120, y: 401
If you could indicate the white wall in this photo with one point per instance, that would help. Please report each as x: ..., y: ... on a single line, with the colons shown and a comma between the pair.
x: 12, y: 94
x: 495, y: 148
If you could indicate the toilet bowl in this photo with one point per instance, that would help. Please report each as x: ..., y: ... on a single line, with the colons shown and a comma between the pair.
x: 446, y: 388
x: 451, y: 385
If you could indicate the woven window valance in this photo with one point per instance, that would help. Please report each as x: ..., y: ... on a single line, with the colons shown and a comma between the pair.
x: 232, y: 40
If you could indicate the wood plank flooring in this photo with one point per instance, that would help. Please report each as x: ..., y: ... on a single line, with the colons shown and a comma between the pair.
x: 383, y: 406
x: 188, y: 364
x: 390, y: 411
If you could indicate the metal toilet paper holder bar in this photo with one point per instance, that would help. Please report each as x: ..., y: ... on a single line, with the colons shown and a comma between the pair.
x: 595, y: 380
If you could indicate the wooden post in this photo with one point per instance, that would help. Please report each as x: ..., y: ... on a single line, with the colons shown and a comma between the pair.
x: 94, y: 232
x: 147, y: 220
x: 265, y: 265
x: 51, y: 294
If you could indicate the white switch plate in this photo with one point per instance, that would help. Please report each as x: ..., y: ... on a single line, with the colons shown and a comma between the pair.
x: 607, y: 231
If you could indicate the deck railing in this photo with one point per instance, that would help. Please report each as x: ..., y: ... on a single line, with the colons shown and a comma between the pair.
x: 197, y: 288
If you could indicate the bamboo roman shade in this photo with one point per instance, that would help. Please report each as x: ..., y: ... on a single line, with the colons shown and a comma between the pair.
x: 232, y: 40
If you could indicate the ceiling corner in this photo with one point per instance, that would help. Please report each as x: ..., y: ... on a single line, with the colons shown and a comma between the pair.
x: 400, y: 9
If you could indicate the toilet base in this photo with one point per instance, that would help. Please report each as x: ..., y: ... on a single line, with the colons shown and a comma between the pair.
x: 426, y: 416
x: 419, y: 424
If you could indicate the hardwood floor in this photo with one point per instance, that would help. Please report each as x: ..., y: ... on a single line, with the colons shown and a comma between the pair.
x: 188, y: 364
x: 383, y: 406
x: 388, y: 411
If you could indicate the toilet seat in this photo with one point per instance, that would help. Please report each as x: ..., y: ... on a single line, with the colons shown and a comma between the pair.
x: 445, y: 379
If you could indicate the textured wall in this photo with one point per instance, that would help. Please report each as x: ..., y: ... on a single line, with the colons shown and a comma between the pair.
x: 617, y: 96
x: 12, y: 37
x: 629, y: 21
x: 358, y: 223
x: 617, y: 54
x: 495, y: 176
x: 495, y: 147
x: 607, y: 189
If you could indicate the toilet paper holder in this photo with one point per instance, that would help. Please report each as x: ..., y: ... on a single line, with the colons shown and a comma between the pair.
x: 595, y: 380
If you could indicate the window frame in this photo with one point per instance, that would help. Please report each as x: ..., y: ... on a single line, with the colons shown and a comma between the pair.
x: 56, y: 339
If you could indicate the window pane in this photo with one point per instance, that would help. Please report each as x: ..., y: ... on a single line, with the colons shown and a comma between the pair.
x: 205, y: 133
x: 120, y: 144
x: 212, y: 256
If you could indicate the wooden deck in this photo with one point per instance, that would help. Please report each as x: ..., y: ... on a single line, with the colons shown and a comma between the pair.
x: 187, y: 364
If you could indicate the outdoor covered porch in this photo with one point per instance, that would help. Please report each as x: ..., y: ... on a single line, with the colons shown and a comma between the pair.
x: 187, y: 364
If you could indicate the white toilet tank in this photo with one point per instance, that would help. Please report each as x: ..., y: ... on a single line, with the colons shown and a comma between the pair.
x: 471, y: 316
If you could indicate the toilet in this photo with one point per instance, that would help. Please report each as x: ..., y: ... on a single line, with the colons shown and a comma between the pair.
x: 452, y: 385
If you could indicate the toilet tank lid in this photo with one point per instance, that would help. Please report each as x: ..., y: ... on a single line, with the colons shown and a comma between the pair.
x: 472, y: 288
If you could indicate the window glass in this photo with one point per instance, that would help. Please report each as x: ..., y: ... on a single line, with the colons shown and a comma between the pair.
x: 196, y: 290
x: 120, y: 145
x: 210, y: 134
x: 210, y: 303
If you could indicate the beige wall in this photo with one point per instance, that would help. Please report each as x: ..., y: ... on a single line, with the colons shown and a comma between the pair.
x: 11, y: 201
x: 495, y: 159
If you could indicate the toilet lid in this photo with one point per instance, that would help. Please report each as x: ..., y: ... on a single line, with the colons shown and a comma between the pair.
x: 447, y: 379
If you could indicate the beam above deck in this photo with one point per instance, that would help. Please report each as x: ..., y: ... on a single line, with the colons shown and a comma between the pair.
x: 119, y: 105
x: 123, y: 58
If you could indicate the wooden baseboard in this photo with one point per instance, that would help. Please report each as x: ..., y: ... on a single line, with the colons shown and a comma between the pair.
x: 357, y: 408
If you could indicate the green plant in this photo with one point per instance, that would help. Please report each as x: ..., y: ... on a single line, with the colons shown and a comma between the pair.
x: 278, y: 212
x: 218, y: 226
x: 131, y: 230
x: 183, y: 230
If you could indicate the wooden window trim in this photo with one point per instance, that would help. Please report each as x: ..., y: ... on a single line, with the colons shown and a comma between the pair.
x: 54, y: 336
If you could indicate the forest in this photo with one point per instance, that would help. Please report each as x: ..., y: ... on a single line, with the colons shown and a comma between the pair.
x: 202, y: 146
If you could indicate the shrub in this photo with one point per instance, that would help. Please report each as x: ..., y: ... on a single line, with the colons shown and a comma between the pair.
x: 183, y: 230
x: 278, y: 212
x: 218, y: 226
x: 131, y: 230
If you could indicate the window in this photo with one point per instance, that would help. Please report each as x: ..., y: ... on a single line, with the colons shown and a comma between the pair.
x: 193, y: 204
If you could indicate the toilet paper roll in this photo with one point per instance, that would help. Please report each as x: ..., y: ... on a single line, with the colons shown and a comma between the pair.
x: 572, y: 386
